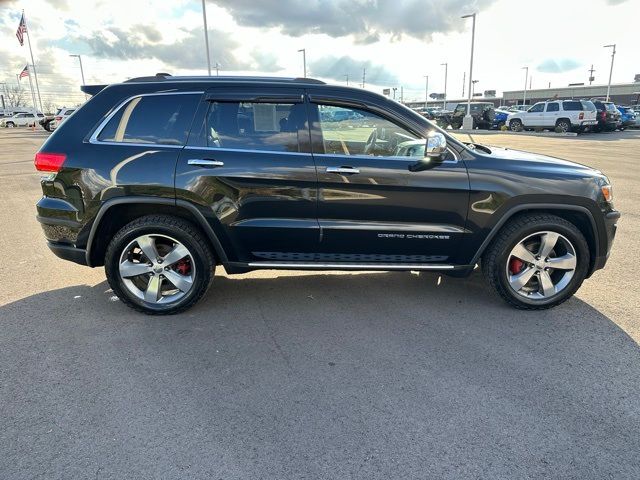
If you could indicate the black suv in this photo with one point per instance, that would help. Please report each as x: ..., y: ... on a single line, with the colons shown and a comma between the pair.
x: 162, y: 178
x: 482, y: 113
x: 607, y: 114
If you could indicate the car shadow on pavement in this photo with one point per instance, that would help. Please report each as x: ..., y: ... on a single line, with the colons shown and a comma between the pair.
x: 372, y: 375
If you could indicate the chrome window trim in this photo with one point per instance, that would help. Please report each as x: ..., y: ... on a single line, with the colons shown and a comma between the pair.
x: 243, y: 150
x: 391, y: 157
x: 94, y: 137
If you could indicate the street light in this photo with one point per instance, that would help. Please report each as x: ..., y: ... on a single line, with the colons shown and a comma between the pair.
x: 444, y: 102
x: 81, y: 71
x: 467, y: 122
x: 426, y: 91
x: 347, y: 77
x: 304, y: 60
x: 613, y: 54
x: 206, y: 36
x: 473, y: 91
x: 526, y: 77
x: 218, y: 66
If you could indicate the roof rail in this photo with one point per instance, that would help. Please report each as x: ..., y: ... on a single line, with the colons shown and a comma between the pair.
x: 160, y: 77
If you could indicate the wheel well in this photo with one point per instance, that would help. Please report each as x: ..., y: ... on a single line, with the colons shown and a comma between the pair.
x: 578, y: 218
x: 119, y: 215
x: 563, y: 118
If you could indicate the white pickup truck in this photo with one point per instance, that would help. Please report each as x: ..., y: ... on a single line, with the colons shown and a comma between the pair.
x: 565, y: 115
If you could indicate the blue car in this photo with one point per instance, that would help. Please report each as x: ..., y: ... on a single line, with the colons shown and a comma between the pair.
x: 627, y: 117
x: 500, y: 118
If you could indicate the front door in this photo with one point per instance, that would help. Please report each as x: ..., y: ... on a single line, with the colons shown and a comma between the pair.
x: 376, y: 204
x: 248, y: 166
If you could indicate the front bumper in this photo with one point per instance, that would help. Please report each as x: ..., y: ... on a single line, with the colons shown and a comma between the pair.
x: 611, y: 225
x: 69, y: 252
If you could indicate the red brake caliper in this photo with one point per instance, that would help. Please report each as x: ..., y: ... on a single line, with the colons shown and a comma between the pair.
x: 515, y: 265
x: 183, y: 267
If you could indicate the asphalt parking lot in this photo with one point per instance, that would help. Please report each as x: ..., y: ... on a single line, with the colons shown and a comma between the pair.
x: 292, y: 375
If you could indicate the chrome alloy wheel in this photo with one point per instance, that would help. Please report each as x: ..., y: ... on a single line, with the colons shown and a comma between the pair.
x: 541, y: 265
x: 157, y: 269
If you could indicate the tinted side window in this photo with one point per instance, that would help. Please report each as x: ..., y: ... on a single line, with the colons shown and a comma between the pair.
x: 153, y: 119
x: 572, y: 106
x: 352, y: 131
x: 553, y: 107
x: 256, y: 126
x: 538, y: 107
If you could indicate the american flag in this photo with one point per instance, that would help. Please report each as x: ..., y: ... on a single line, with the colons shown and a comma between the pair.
x: 21, y: 29
x: 24, y: 72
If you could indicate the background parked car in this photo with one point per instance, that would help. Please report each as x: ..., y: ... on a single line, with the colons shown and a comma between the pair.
x: 564, y: 115
x: 61, y: 115
x: 483, y: 114
x: 627, y: 117
x: 21, y: 120
x: 500, y: 118
x: 608, y: 116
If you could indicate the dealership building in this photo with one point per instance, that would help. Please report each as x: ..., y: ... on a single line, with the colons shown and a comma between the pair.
x: 621, y: 94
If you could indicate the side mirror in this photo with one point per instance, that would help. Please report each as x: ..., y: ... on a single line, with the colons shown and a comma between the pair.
x: 436, y: 147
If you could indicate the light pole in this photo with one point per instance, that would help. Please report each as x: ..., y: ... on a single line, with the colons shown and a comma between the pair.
x: 347, y: 77
x: 444, y: 102
x: 467, y: 122
x: 613, y: 54
x: 206, y: 36
x: 81, y: 71
x: 304, y: 61
x: 426, y: 91
x: 473, y: 89
x: 526, y: 77
x: 218, y: 69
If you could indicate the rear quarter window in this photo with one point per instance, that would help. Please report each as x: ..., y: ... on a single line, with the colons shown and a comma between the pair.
x: 152, y: 119
x: 572, y: 106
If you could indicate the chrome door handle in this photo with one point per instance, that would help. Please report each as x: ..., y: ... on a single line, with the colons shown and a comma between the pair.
x: 203, y: 162
x: 342, y: 170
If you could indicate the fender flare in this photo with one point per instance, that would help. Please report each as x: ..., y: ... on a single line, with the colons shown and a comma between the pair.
x: 536, y: 206
x: 197, y: 215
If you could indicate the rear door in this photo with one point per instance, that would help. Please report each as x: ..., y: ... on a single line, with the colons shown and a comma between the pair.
x: 248, y: 167
x: 551, y: 114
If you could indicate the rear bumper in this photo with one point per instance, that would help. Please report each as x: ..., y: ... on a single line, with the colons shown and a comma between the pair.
x: 69, y: 252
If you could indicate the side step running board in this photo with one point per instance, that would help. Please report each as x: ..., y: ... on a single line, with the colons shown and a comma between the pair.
x: 352, y: 266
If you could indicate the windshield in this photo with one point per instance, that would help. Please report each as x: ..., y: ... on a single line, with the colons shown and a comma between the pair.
x: 611, y: 107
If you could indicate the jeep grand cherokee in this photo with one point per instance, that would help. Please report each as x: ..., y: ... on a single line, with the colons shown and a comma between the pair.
x: 162, y: 178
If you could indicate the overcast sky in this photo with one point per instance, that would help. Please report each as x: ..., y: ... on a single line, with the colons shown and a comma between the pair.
x: 397, y: 41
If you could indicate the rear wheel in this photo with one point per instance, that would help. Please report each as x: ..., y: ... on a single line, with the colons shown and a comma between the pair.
x: 563, y: 125
x: 159, y: 265
x: 537, y: 261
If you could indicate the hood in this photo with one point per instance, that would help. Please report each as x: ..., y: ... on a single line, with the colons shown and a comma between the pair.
x: 536, y: 160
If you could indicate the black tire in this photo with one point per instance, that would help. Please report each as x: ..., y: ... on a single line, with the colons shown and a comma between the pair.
x: 494, y: 260
x: 516, y: 125
x: 185, y: 233
x: 10, y: 125
x: 564, y: 125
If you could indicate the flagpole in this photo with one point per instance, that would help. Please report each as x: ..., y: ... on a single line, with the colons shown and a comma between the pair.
x: 33, y: 97
x: 33, y: 64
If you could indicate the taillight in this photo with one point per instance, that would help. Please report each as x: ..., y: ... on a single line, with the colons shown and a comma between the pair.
x: 58, y: 119
x: 603, y: 115
x: 581, y: 116
x: 49, y: 162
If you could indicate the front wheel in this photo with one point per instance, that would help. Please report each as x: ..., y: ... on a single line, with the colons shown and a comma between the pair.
x: 159, y: 264
x: 516, y: 125
x: 537, y: 261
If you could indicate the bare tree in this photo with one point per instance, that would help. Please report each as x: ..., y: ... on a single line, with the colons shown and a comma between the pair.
x: 49, y: 106
x: 16, y: 96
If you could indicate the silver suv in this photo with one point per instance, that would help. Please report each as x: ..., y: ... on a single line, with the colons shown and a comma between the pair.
x: 564, y: 115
